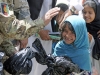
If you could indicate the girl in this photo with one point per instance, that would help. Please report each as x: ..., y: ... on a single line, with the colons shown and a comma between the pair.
x: 91, y: 14
x: 75, y: 42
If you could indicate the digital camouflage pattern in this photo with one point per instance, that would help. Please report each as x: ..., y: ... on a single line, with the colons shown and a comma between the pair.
x: 12, y: 28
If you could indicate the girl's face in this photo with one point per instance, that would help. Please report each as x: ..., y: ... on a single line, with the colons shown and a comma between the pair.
x: 88, y: 14
x: 68, y: 35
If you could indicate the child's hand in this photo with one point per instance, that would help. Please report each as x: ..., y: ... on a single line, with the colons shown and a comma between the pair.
x: 44, y: 35
x: 90, y: 37
x: 23, y: 43
x: 95, y: 72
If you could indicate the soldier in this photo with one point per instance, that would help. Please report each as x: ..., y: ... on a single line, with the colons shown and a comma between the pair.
x: 12, y: 28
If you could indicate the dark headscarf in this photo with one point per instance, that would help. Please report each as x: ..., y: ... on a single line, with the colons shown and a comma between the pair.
x: 94, y: 27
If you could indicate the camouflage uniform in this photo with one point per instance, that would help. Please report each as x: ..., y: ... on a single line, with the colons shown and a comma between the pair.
x: 11, y: 28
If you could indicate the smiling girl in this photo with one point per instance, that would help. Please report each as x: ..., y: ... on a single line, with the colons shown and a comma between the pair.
x: 75, y: 42
x: 91, y: 14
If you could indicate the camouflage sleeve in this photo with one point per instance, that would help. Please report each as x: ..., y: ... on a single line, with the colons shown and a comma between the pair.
x: 13, y: 28
x: 1, y: 38
x: 8, y: 47
x: 21, y: 7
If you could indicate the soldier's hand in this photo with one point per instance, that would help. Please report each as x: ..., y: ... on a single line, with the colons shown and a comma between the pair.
x: 23, y: 43
x: 50, y: 14
x: 44, y: 35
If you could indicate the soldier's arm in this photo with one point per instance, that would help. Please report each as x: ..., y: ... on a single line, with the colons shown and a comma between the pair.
x: 21, y: 9
x: 13, y: 28
x: 20, y: 29
x: 8, y: 47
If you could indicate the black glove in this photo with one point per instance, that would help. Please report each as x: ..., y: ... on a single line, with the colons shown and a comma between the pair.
x: 40, y: 55
x: 20, y: 63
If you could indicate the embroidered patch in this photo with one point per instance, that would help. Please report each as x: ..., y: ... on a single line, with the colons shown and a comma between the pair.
x: 4, y: 9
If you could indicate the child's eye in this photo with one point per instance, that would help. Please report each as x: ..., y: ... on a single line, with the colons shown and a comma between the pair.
x: 65, y: 31
x: 90, y: 12
x: 73, y: 32
x: 83, y: 12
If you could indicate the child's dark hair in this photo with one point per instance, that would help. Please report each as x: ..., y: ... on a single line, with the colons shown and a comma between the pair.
x: 62, y: 6
x: 67, y: 23
x: 91, y: 4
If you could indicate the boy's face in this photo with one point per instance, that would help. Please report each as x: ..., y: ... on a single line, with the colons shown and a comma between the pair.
x: 59, y: 16
x: 68, y: 36
x: 88, y: 14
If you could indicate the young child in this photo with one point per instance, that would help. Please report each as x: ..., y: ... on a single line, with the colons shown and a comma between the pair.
x: 63, y: 7
x: 75, y: 42
x: 91, y: 14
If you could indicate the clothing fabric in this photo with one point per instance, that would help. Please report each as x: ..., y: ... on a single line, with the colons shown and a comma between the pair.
x: 95, y: 63
x: 37, y: 68
x: 11, y: 28
x: 79, y: 50
x: 47, y: 5
x: 37, y: 10
x: 93, y: 28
